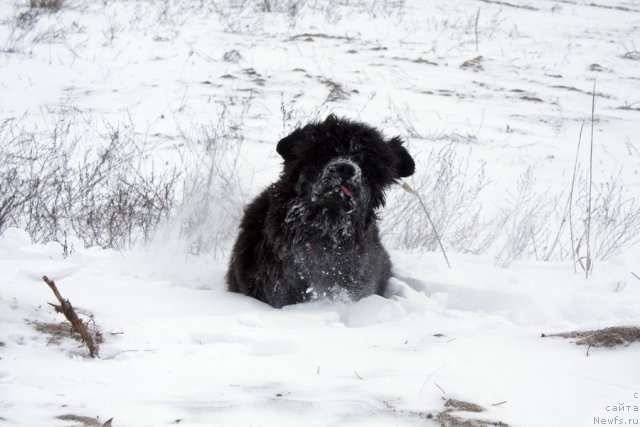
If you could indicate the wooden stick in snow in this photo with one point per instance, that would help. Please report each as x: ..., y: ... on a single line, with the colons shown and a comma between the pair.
x: 77, y: 324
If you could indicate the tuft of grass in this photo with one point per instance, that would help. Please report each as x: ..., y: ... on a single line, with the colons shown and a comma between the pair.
x: 612, y: 337
x: 80, y: 420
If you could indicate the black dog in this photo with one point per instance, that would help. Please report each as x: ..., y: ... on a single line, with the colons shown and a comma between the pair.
x: 314, y: 232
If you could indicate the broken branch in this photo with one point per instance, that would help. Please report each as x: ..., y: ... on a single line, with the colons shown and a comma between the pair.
x: 66, y: 308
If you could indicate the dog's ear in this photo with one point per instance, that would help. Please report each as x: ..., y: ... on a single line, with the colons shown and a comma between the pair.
x: 331, y: 120
x: 405, y: 165
x: 286, y: 145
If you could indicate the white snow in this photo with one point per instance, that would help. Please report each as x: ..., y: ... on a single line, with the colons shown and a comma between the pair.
x: 180, y: 350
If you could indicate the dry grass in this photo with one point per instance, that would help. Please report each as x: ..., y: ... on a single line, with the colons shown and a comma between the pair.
x: 104, y: 194
x: 451, y: 188
x: 110, y: 192
x: 530, y: 225
x: 448, y: 418
x: 618, y: 336
x: 212, y: 196
x: 79, y: 420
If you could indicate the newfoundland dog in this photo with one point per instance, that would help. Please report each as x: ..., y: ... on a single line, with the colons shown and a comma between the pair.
x: 314, y: 232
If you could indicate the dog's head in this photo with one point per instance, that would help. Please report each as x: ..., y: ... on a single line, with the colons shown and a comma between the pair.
x: 342, y: 165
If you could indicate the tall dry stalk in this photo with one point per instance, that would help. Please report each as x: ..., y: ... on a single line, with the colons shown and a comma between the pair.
x: 589, y: 260
x: 573, y: 182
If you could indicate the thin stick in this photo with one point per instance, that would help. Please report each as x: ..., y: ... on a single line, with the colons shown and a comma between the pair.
x: 636, y: 276
x: 589, y: 261
x: 68, y: 311
x: 406, y: 187
x: 573, y: 181
x: 432, y: 374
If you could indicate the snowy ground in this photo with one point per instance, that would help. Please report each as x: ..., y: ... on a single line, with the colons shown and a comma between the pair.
x: 179, y: 350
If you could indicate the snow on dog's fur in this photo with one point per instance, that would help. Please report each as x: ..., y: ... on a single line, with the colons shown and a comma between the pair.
x: 314, y: 232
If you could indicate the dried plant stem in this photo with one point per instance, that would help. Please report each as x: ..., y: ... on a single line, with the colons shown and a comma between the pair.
x: 406, y: 187
x: 68, y: 311
x: 573, y: 182
x: 589, y: 260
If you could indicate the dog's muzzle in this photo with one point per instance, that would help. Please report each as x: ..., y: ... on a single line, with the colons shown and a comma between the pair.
x: 339, y: 184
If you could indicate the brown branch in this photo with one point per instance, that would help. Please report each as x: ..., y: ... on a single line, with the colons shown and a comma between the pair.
x: 68, y: 311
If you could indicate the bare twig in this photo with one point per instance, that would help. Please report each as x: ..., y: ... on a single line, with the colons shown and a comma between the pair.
x: 68, y: 311
x: 635, y: 275
x: 358, y: 375
x: 441, y: 389
x: 406, y: 187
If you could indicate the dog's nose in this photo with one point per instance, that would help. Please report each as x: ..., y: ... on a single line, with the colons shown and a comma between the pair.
x: 345, y: 170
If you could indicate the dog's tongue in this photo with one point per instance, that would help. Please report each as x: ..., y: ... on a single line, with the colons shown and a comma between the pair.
x: 345, y: 190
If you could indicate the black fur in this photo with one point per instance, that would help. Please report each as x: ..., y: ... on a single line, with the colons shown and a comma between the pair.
x: 314, y: 232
